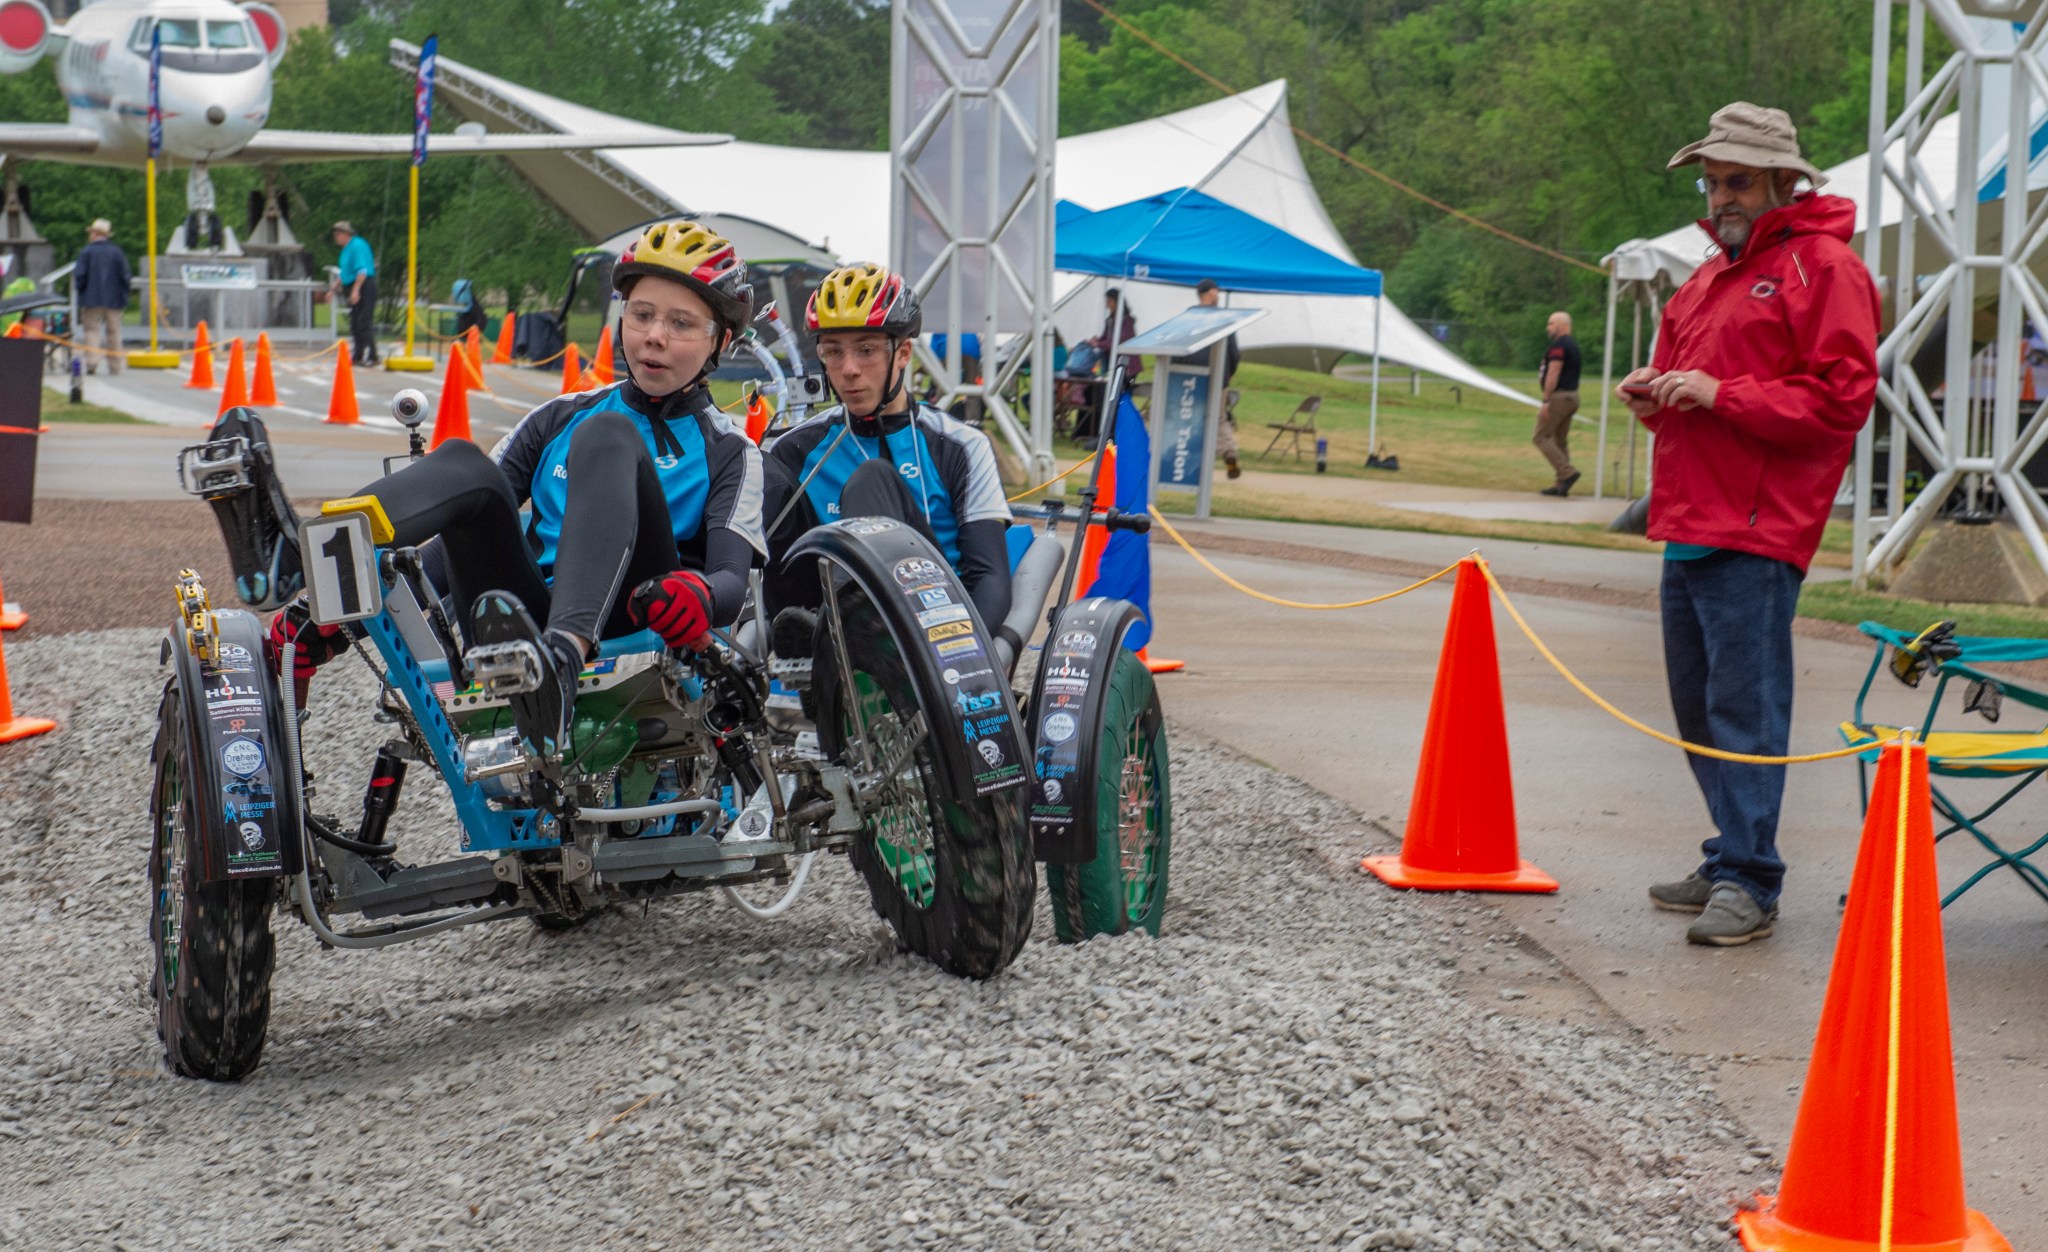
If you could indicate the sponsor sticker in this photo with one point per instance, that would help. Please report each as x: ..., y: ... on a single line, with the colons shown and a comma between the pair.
x: 868, y: 525
x: 1060, y: 727
x: 242, y: 757
x: 958, y: 649
x: 919, y: 572
x: 1076, y: 641
x: 950, y: 630
x: 252, y: 836
x: 940, y: 616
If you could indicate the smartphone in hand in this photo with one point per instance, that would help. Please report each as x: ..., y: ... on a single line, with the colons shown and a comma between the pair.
x: 1636, y: 391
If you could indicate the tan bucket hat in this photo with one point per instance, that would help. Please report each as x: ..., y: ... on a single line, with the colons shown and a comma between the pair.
x: 1752, y: 135
x: 100, y: 226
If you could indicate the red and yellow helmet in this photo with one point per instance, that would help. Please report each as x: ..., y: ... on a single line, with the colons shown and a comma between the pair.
x: 865, y: 297
x: 702, y: 260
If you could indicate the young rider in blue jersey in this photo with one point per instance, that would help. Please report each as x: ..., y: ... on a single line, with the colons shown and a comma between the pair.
x: 878, y: 453
x: 646, y: 502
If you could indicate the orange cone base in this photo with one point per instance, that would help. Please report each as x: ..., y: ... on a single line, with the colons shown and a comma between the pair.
x: 1762, y: 1232
x: 408, y: 364
x: 12, y: 618
x: 1391, y: 871
x: 1160, y: 665
x: 24, y: 727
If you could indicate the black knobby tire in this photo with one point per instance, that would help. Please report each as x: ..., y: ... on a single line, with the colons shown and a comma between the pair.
x: 210, y: 944
x: 1124, y: 887
x: 951, y: 873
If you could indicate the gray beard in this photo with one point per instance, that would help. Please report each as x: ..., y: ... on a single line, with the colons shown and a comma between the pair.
x: 1732, y: 234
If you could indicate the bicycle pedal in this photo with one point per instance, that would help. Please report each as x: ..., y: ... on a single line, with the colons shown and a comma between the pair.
x: 217, y: 467
x: 808, y: 748
x: 791, y: 673
x: 504, y: 669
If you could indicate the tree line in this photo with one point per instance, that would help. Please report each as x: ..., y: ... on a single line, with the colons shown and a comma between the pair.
x: 1551, y: 119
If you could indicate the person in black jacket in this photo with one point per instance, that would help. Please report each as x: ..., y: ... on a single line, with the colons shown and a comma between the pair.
x: 100, y: 279
x: 1209, y: 295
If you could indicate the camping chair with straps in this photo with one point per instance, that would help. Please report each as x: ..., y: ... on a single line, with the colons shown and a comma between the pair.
x: 2015, y: 758
x: 1300, y: 422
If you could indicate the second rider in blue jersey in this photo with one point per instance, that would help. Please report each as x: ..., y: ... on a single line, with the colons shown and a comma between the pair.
x: 880, y: 454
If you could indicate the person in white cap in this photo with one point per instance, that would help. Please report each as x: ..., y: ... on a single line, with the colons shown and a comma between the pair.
x: 1765, y: 369
x: 100, y: 279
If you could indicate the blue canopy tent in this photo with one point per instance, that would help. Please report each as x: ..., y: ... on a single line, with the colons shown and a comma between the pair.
x: 1183, y: 236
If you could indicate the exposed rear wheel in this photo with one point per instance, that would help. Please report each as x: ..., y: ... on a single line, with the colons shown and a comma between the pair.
x: 210, y: 942
x: 1124, y: 887
x: 951, y: 873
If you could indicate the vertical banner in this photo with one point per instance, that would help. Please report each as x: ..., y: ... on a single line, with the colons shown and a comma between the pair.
x: 156, y: 108
x: 423, y: 98
x: 1183, y: 434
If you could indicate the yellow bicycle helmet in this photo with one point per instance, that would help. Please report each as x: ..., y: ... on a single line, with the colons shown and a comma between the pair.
x: 865, y: 297
x: 700, y: 259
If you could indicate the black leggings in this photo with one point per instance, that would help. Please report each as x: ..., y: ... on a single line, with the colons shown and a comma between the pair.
x: 616, y: 531
x: 874, y: 490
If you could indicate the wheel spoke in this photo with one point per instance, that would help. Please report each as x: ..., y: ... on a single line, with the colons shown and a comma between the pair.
x: 1138, y: 824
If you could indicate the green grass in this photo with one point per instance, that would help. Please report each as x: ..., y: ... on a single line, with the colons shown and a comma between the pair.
x: 1446, y: 435
x: 56, y: 408
x: 1840, y: 602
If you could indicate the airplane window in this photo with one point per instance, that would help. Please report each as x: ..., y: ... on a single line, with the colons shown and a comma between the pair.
x: 179, y: 32
x: 227, y: 35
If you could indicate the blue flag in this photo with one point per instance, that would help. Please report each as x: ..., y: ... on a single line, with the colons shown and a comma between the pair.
x: 156, y: 108
x: 1125, y: 570
x: 423, y: 99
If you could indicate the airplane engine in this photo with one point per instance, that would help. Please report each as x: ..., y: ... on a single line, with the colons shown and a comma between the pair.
x: 24, y: 34
x: 269, y: 28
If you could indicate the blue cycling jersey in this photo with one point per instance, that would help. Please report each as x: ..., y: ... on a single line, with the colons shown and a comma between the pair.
x: 707, y: 470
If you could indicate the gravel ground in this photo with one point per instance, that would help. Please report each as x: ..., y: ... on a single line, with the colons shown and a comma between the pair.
x: 1304, y: 1059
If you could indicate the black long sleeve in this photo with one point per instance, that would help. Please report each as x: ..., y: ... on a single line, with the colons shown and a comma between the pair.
x: 985, y: 568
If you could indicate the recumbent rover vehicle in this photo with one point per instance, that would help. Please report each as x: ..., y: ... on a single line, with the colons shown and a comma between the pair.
x: 900, y: 743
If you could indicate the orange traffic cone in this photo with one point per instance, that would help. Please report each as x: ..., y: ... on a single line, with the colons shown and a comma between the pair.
x: 1461, y: 822
x: 262, y: 387
x: 758, y: 417
x: 202, y: 360
x: 341, y: 402
x: 12, y: 727
x: 572, y: 370
x: 11, y: 616
x: 1098, y: 537
x: 1834, y: 1197
x: 473, y: 341
x: 15, y: 331
x: 601, y: 360
x: 502, y: 355
x: 451, y: 419
x: 235, y: 393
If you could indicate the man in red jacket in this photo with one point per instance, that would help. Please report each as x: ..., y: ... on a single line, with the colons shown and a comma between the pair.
x: 1765, y: 369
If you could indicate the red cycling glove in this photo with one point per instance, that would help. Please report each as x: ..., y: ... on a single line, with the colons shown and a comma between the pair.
x: 676, y: 606
x: 316, y: 644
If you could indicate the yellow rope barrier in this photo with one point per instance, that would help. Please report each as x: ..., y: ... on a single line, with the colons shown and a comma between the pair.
x: 1697, y: 749
x: 1892, y: 1008
x: 1206, y: 564
x: 1032, y: 491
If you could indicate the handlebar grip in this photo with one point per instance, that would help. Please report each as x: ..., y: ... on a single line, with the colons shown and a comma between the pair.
x: 1118, y: 519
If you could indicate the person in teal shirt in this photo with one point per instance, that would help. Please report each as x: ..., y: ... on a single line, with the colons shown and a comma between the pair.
x: 358, y: 279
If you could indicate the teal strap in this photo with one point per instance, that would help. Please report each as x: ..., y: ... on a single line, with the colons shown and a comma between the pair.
x: 1687, y: 551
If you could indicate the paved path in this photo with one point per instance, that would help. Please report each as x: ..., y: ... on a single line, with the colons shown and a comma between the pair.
x: 1340, y: 699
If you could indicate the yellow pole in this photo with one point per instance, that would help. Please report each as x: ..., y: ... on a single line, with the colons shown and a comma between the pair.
x: 154, y: 359
x: 412, y: 268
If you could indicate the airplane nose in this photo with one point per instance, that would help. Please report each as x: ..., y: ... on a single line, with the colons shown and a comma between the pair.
x: 216, y: 114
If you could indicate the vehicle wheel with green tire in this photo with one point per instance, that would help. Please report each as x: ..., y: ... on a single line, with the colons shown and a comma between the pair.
x: 1124, y: 887
x: 210, y: 942
x: 952, y: 874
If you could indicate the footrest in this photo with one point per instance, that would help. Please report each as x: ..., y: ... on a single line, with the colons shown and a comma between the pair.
x: 504, y: 669
x: 218, y: 467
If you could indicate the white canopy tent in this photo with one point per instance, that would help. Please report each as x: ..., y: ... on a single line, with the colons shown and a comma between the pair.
x: 1239, y: 149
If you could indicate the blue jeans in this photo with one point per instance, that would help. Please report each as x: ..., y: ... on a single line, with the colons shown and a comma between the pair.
x: 1728, y: 660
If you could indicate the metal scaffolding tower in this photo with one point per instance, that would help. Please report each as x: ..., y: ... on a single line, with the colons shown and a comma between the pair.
x: 1958, y: 243
x: 973, y: 118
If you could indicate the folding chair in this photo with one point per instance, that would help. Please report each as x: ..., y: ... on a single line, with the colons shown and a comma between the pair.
x: 2016, y: 758
x: 1300, y: 422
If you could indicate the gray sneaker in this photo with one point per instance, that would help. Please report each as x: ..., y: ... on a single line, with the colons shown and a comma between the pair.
x: 1688, y: 895
x: 1732, y: 917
